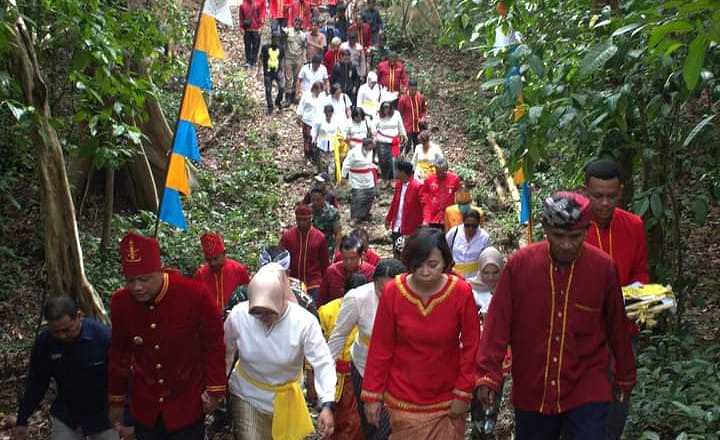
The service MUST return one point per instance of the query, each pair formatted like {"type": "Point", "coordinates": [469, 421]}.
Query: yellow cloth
{"type": "Point", "coordinates": [466, 268]}
{"type": "Point", "coordinates": [427, 167]}
{"type": "Point", "coordinates": [453, 216]}
{"type": "Point", "coordinates": [646, 291]}
{"type": "Point", "coordinates": [208, 39]}
{"type": "Point", "coordinates": [328, 315]}
{"type": "Point", "coordinates": [273, 58]}
{"type": "Point", "coordinates": [339, 147]}
{"type": "Point", "coordinates": [364, 340]}
{"type": "Point", "coordinates": [194, 108]}
{"type": "Point", "coordinates": [291, 418]}
{"type": "Point", "coordinates": [177, 177]}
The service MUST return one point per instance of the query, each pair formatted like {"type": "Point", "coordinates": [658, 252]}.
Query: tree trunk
{"type": "Point", "coordinates": [63, 254]}
{"type": "Point", "coordinates": [108, 211]}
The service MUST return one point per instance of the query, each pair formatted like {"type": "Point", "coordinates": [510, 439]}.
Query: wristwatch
{"type": "Point", "coordinates": [329, 405]}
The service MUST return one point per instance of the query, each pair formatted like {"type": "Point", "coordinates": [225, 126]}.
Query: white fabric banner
{"type": "Point", "coordinates": [220, 9]}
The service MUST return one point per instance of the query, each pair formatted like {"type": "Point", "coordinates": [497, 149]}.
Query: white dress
{"type": "Point", "coordinates": [277, 355]}
{"type": "Point", "coordinates": [424, 163]}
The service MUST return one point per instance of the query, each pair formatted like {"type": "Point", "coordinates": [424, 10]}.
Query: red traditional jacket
{"type": "Point", "coordinates": [308, 255]}
{"type": "Point", "coordinates": [422, 355]}
{"type": "Point", "coordinates": [170, 350]}
{"type": "Point", "coordinates": [412, 207]}
{"type": "Point", "coordinates": [262, 9]}
{"type": "Point", "coordinates": [331, 57]}
{"type": "Point", "coordinates": [278, 8]}
{"type": "Point", "coordinates": [394, 78]}
{"type": "Point", "coordinates": [371, 257]}
{"type": "Point", "coordinates": [562, 326]}
{"type": "Point", "coordinates": [413, 110]}
{"type": "Point", "coordinates": [250, 11]}
{"type": "Point", "coordinates": [438, 194]}
{"type": "Point", "coordinates": [364, 33]}
{"type": "Point", "coordinates": [222, 285]}
{"type": "Point", "coordinates": [302, 10]}
{"type": "Point", "coordinates": [333, 284]}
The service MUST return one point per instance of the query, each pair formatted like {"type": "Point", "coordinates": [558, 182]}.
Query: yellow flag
{"type": "Point", "coordinates": [177, 177]}
{"type": "Point", "coordinates": [208, 39]}
{"type": "Point", "coordinates": [194, 108]}
{"type": "Point", "coordinates": [519, 176]}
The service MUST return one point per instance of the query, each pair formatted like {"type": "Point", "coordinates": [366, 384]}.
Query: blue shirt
{"type": "Point", "coordinates": [79, 369]}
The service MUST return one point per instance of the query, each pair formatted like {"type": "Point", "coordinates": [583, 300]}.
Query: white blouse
{"type": "Point", "coordinates": [310, 107]}
{"type": "Point", "coordinates": [323, 131]}
{"type": "Point", "coordinates": [388, 128]}
{"type": "Point", "coordinates": [464, 251]}
{"type": "Point", "coordinates": [369, 99]}
{"type": "Point", "coordinates": [424, 163]}
{"type": "Point", "coordinates": [277, 355]}
{"type": "Point", "coordinates": [357, 159]}
{"type": "Point", "coordinates": [358, 308]}
{"type": "Point", "coordinates": [356, 132]}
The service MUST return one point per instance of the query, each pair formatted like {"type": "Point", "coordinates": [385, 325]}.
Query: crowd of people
{"type": "Point", "coordinates": [404, 346]}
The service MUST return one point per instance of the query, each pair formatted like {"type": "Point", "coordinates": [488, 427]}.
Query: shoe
{"type": "Point", "coordinates": [247, 65]}
{"type": "Point", "coordinates": [270, 111]}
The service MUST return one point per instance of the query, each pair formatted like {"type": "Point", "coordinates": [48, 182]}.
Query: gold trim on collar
{"type": "Point", "coordinates": [164, 289]}
{"type": "Point", "coordinates": [412, 298]}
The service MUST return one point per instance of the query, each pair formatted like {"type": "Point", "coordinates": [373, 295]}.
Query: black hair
{"type": "Point", "coordinates": [603, 169]}
{"type": "Point", "coordinates": [472, 213]}
{"type": "Point", "coordinates": [389, 268]}
{"type": "Point", "coordinates": [405, 167]}
{"type": "Point", "coordinates": [412, 83]}
{"type": "Point", "coordinates": [275, 251]}
{"type": "Point", "coordinates": [334, 88]}
{"type": "Point", "coordinates": [57, 307]}
{"type": "Point", "coordinates": [387, 105]}
{"type": "Point", "coordinates": [362, 235]}
{"type": "Point", "coordinates": [316, 59]}
{"type": "Point", "coordinates": [357, 279]}
{"type": "Point", "coordinates": [357, 112]}
{"type": "Point", "coordinates": [317, 189]}
{"type": "Point", "coordinates": [419, 245]}
{"type": "Point", "coordinates": [351, 243]}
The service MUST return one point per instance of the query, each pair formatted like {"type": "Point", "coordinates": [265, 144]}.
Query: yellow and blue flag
{"type": "Point", "coordinates": [193, 111]}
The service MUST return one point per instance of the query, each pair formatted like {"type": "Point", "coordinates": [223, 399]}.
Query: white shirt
{"type": "Point", "coordinates": [424, 162]}
{"type": "Point", "coordinates": [388, 128]}
{"type": "Point", "coordinates": [482, 298]}
{"type": "Point", "coordinates": [308, 76]}
{"type": "Point", "coordinates": [356, 132]}
{"type": "Point", "coordinates": [276, 356]}
{"type": "Point", "coordinates": [358, 308]}
{"type": "Point", "coordinates": [310, 107]}
{"type": "Point", "coordinates": [341, 108]}
{"type": "Point", "coordinates": [401, 208]}
{"type": "Point", "coordinates": [358, 159]}
{"type": "Point", "coordinates": [323, 131]}
{"type": "Point", "coordinates": [369, 99]}
{"type": "Point", "coordinates": [464, 251]}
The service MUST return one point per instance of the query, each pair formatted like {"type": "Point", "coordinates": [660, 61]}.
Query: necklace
{"type": "Point", "coordinates": [599, 239]}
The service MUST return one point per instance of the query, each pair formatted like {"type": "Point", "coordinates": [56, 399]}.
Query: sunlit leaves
{"type": "Point", "coordinates": [597, 57]}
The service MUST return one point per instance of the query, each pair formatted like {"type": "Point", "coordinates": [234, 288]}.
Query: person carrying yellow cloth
{"type": "Point", "coordinates": [271, 338]}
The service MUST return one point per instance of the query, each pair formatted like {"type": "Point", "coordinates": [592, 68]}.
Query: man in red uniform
{"type": "Point", "coordinates": [300, 9]}
{"type": "Point", "coordinates": [406, 210]}
{"type": "Point", "coordinates": [308, 250]}
{"type": "Point", "coordinates": [559, 305]}
{"type": "Point", "coordinates": [368, 255]}
{"type": "Point", "coordinates": [251, 23]}
{"type": "Point", "coordinates": [333, 284]}
{"type": "Point", "coordinates": [220, 275]}
{"type": "Point", "coordinates": [278, 10]}
{"type": "Point", "coordinates": [621, 235]}
{"type": "Point", "coordinates": [392, 74]}
{"type": "Point", "coordinates": [438, 193]}
{"type": "Point", "coordinates": [167, 344]}
{"type": "Point", "coordinates": [413, 109]}
{"type": "Point", "coordinates": [362, 29]}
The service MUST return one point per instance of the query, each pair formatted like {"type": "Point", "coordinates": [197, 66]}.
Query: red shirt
{"type": "Point", "coordinates": [308, 255]}
{"type": "Point", "coordinates": [278, 8]}
{"type": "Point", "coordinates": [412, 207]}
{"type": "Point", "coordinates": [422, 354]}
{"type": "Point", "coordinates": [364, 33]}
{"type": "Point", "coordinates": [333, 284]}
{"type": "Point", "coordinates": [395, 78]}
{"type": "Point", "coordinates": [262, 9]}
{"type": "Point", "coordinates": [331, 57]}
{"type": "Point", "coordinates": [561, 338]}
{"type": "Point", "coordinates": [371, 257]}
{"type": "Point", "coordinates": [171, 351]}
{"type": "Point", "coordinates": [249, 11]}
{"type": "Point", "coordinates": [302, 10]}
{"type": "Point", "coordinates": [222, 285]}
{"type": "Point", "coordinates": [413, 110]}
{"type": "Point", "coordinates": [626, 244]}
{"type": "Point", "coordinates": [438, 194]}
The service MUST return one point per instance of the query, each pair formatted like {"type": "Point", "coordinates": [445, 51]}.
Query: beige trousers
{"type": "Point", "coordinates": [248, 422]}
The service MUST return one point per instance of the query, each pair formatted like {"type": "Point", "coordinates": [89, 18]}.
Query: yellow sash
{"type": "Point", "coordinates": [466, 268]}
{"type": "Point", "coordinates": [364, 340]}
{"type": "Point", "coordinates": [291, 418]}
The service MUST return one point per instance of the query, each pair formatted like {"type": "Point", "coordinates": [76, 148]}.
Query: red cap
{"type": "Point", "coordinates": [140, 255]}
{"type": "Point", "coordinates": [212, 244]}
{"type": "Point", "coordinates": [303, 210]}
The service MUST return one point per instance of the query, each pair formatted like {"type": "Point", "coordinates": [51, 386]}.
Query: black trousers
{"type": "Point", "coordinates": [412, 141]}
{"type": "Point", "coordinates": [270, 77]}
{"type": "Point", "coordinates": [159, 432]}
{"type": "Point", "coordinates": [371, 433]}
{"type": "Point", "coordinates": [586, 422]}
{"type": "Point", "coordinates": [251, 39]}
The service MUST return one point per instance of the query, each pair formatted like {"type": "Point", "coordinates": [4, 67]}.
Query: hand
{"type": "Point", "coordinates": [458, 408]}
{"type": "Point", "coordinates": [486, 396]}
{"type": "Point", "coordinates": [115, 416]}
{"type": "Point", "coordinates": [372, 413]}
{"type": "Point", "coordinates": [210, 402]}
{"type": "Point", "coordinates": [620, 396]}
{"type": "Point", "coordinates": [326, 423]}
{"type": "Point", "coordinates": [126, 432]}
{"type": "Point", "coordinates": [20, 432]}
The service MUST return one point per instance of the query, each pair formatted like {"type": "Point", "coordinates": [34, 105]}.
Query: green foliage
{"type": "Point", "coordinates": [678, 385]}
{"type": "Point", "coordinates": [240, 202]}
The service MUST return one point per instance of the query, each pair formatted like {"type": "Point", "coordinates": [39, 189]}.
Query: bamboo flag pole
{"type": "Point", "coordinates": [177, 121]}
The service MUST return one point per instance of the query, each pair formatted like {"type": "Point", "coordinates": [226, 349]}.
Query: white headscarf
{"type": "Point", "coordinates": [489, 255]}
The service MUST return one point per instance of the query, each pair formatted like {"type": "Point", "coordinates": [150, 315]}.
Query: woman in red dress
{"type": "Point", "coordinates": [424, 341]}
